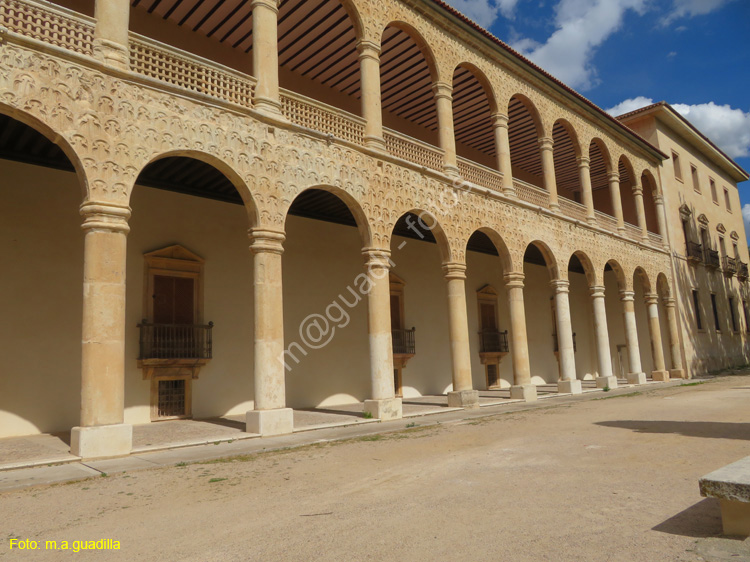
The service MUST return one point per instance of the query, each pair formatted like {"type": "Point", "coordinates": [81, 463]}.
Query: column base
{"type": "Point", "coordinates": [452, 171]}
{"type": "Point", "coordinates": [569, 387]}
{"type": "Point", "coordinates": [636, 378]}
{"type": "Point", "coordinates": [606, 382]}
{"type": "Point", "coordinates": [375, 143]}
{"type": "Point", "coordinates": [677, 374]}
{"type": "Point", "coordinates": [525, 392]}
{"type": "Point", "coordinates": [270, 107]}
{"type": "Point", "coordinates": [463, 399]}
{"type": "Point", "coordinates": [735, 518]}
{"type": "Point", "coordinates": [592, 221]}
{"type": "Point", "coordinates": [101, 441]}
{"type": "Point", "coordinates": [270, 422]}
{"type": "Point", "coordinates": [661, 376]}
{"type": "Point", "coordinates": [111, 53]}
{"type": "Point", "coordinates": [554, 207]}
{"type": "Point", "coordinates": [385, 409]}
{"type": "Point", "coordinates": [509, 191]}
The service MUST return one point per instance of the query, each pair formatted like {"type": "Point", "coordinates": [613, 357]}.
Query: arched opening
{"type": "Point", "coordinates": [524, 131]}
{"type": "Point", "coordinates": [473, 106]}
{"type": "Point", "coordinates": [189, 313]}
{"type": "Point", "coordinates": [487, 260]}
{"type": "Point", "coordinates": [325, 306]}
{"type": "Point", "coordinates": [627, 180]}
{"type": "Point", "coordinates": [406, 78]}
{"type": "Point", "coordinates": [614, 285]}
{"type": "Point", "coordinates": [565, 155]}
{"type": "Point", "coordinates": [599, 167]}
{"type": "Point", "coordinates": [580, 277]}
{"type": "Point", "coordinates": [418, 249]}
{"type": "Point", "coordinates": [42, 247]}
{"type": "Point", "coordinates": [539, 268]}
{"type": "Point", "coordinates": [641, 287]}
{"type": "Point", "coordinates": [663, 290]}
{"type": "Point", "coordinates": [649, 202]}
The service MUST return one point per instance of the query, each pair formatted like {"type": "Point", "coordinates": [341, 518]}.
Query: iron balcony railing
{"type": "Point", "coordinates": [176, 341]}
{"type": "Point", "coordinates": [742, 270]}
{"type": "Point", "coordinates": [404, 342]}
{"type": "Point", "coordinates": [695, 251]}
{"type": "Point", "coordinates": [557, 344]}
{"type": "Point", "coordinates": [730, 266]}
{"type": "Point", "coordinates": [711, 258]}
{"type": "Point", "coordinates": [493, 341]}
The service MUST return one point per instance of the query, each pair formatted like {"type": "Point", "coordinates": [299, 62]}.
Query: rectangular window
{"type": "Point", "coordinates": [726, 200]}
{"type": "Point", "coordinates": [714, 195]}
{"type": "Point", "coordinates": [722, 247]}
{"type": "Point", "coordinates": [696, 182]}
{"type": "Point", "coordinates": [747, 316]}
{"type": "Point", "coordinates": [677, 169]}
{"type": "Point", "coordinates": [716, 313]}
{"type": "Point", "coordinates": [697, 306]}
{"type": "Point", "coordinates": [732, 315]}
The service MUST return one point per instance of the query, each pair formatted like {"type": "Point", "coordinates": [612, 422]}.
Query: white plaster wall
{"type": "Point", "coordinates": [615, 325]}
{"type": "Point", "coordinates": [538, 305]}
{"type": "Point", "coordinates": [582, 317]}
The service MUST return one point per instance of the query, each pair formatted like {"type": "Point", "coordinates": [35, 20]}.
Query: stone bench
{"type": "Point", "coordinates": [731, 485]}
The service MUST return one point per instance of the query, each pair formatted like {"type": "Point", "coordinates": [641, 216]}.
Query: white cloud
{"type": "Point", "coordinates": [581, 26]}
{"type": "Point", "coordinates": [692, 8]}
{"type": "Point", "coordinates": [727, 127]}
{"type": "Point", "coordinates": [485, 12]}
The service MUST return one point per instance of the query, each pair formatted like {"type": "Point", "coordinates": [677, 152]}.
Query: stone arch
{"type": "Point", "coordinates": [549, 258]}
{"type": "Point", "coordinates": [481, 77]}
{"type": "Point", "coordinates": [566, 152]}
{"type": "Point", "coordinates": [628, 179]}
{"type": "Point", "coordinates": [529, 105]}
{"type": "Point", "coordinates": [506, 259]}
{"type": "Point", "coordinates": [425, 222]}
{"type": "Point", "coordinates": [600, 165]}
{"type": "Point", "coordinates": [525, 128]}
{"type": "Point", "coordinates": [54, 137]}
{"type": "Point", "coordinates": [474, 105]}
{"type": "Point", "coordinates": [227, 169]}
{"type": "Point", "coordinates": [622, 279]}
{"type": "Point", "coordinates": [650, 192]}
{"type": "Point", "coordinates": [662, 286]}
{"type": "Point", "coordinates": [355, 208]}
{"type": "Point", "coordinates": [416, 36]}
{"type": "Point", "coordinates": [640, 273]}
{"type": "Point", "coordinates": [588, 267]}
{"type": "Point", "coordinates": [354, 16]}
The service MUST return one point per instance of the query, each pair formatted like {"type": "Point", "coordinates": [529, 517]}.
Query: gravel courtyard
{"type": "Point", "coordinates": [613, 478]}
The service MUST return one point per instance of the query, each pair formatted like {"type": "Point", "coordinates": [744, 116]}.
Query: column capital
{"type": "Point", "coordinates": [597, 291]}
{"type": "Point", "coordinates": [443, 90]}
{"type": "Point", "coordinates": [546, 143]}
{"type": "Point", "coordinates": [500, 120]}
{"type": "Point", "coordinates": [658, 198]}
{"type": "Point", "coordinates": [669, 302]}
{"type": "Point", "coordinates": [626, 296]}
{"type": "Point", "coordinates": [266, 241]}
{"type": "Point", "coordinates": [377, 258]}
{"type": "Point", "coordinates": [560, 285]}
{"type": "Point", "coordinates": [369, 49]}
{"type": "Point", "coordinates": [613, 176]}
{"type": "Point", "coordinates": [454, 270]}
{"type": "Point", "coordinates": [514, 280]}
{"type": "Point", "coordinates": [651, 298]}
{"type": "Point", "coordinates": [584, 161]}
{"type": "Point", "coordinates": [270, 4]}
{"type": "Point", "coordinates": [637, 189]}
{"type": "Point", "coordinates": [105, 216]}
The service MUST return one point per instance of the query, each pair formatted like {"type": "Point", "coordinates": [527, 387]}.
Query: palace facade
{"type": "Point", "coordinates": [428, 214]}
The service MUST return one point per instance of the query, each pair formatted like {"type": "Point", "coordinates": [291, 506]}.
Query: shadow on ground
{"type": "Point", "coordinates": [701, 520]}
{"type": "Point", "coordinates": [712, 430]}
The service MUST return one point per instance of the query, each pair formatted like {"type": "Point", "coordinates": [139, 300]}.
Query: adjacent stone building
{"type": "Point", "coordinates": [428, 213]}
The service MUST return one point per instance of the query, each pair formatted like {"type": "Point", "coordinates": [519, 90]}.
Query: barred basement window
{"type": "Point", "coordinates": [697, 305]}
{"type": "Point", "coordinates": [715, 308]}
{"type": "Point", "coordinates": [172, 398]}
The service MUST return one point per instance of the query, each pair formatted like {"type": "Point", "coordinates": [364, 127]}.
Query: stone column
{"type": "Point", "coordinates": [661, 218]}
{"type": "Point", "coordinates": [546, 146]}
{"type": "Point", "coordinates": [584, 173]}
{"type": "Point", "coordinates": [502, 146]}
{"type": "Point", "coordinates": [660, 372]}
{"type": "Point", "coordinates": [266, 56]}
{"type": "Point", "coordinates": [111, 32]}
{"type": "Point", "coordinates": [605, 378]}
{"type": "Point", "coordinates": [614, 191]}
{"type": "Point", "coordinates": [383, 404]}
{"type": "Point", "coordinates": [463, 395]}
{"type": "Point", "coordinates": [678, 371]}
{"type": "Point", "coordinates": [635, 371]}
{"type": "Point", "coordinates": [522, 387]}
{"type": "Point", "coordinates": [372, 112]}
{"type": "Point", "coordinates": [102, 432]}
{"type": "Point", "coordinates": [640, 210]}
{"type": "Point", "coordinates": [270, 416]}
{"type": "Point", "coordinates": [565, 347]}
{"type": "Point", "coordinates": [444, 105]}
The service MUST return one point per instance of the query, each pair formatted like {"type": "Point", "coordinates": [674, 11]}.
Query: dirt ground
{"type": "Point", "coordinates": [606, 479]}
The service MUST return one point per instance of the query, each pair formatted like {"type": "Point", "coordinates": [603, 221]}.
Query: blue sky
{"type": "Point", "coordinates": [623, 54]}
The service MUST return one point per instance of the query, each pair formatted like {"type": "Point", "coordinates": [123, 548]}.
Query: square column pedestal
{"type": "Point", "coordinates": [384, 410]}
{"type": "Point", "coordinates": [661, 376]}
{"type": "Point", "coordinates": [569, 387]}
{"type": "Point", "coordinates": [270, 422]}
{"type": "Point", "coordinates": [525, 392]}
{"type": "Point", "coordinates": [463, 399]}
{"type": "Point", "coordinates": [101, 441]}
{"type": "Point", "coordinates": [677, 374]}
{"type": "Point", "coordinates": [607, 382]}
{"type": "Point", "coordinates": [636, 378]}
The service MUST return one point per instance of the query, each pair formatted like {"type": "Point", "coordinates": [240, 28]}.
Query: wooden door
{"type": "Point", "coordinates": [174, 300]}
{"type": "Point", "coordinates": [489, 318]}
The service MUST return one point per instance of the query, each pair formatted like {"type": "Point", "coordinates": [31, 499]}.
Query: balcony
{"type": "Point", "coordinates": [694, 252]}
{"type": "Point", "coordinates": [493, 341]}
{"type": "Point", "coordinates": [175, 342]}
{"type": "Point", "coordinates": [730, 266]}
{"type": "Point", "coordinates": [404, 342]}
{"type": "Point", "coordinates": [742, 271]}
{"type": "Point", "coordinates": [711, 258]}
